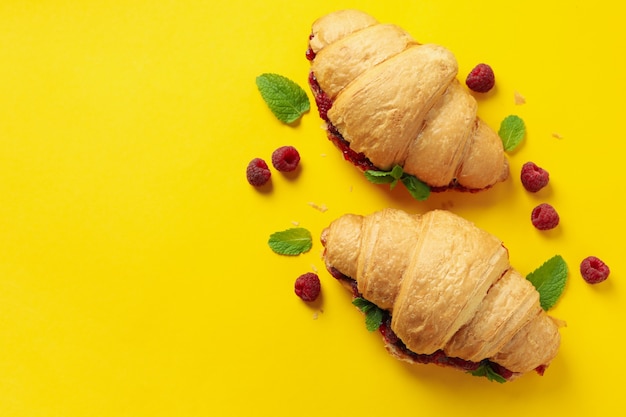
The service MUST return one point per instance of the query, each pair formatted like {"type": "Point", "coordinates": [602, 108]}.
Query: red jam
{"type": "Point", "coordinates": [310, 55]}
{"type": "Point", "coordinates": [356, 158]}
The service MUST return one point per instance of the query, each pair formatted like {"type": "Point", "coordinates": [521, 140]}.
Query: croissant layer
{"type": "Point", "coordinates": [398, 102]}
{"type": "Point", "coordinates": [447, 285]}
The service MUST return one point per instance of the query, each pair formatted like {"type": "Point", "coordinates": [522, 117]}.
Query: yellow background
{"type": "Point", "coordinates": [135, 277]}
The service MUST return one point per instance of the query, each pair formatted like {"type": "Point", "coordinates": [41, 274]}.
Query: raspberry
{"type": "Point", "coordinates": [534, 178]}
{"type": "Point", "coordinates": [257, 172]}
{"type": "Point", "coordinates": [544, 217]}
{"type": "Point", "coordinates": [285, 158]}
{"type": "Point", "coordinates": [308, 286]}
{"type": "Point", "coordinates": [324, 103]}
{"type": "Point", "coordinates": [594, 270]}
{"type": "Point", "coordinates": [481, 79]}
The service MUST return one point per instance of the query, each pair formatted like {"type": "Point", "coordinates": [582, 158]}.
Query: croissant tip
{"type": "Point", "coordinates": [324, 236]}
{"type": "Point", "coordinates": [506, 171]}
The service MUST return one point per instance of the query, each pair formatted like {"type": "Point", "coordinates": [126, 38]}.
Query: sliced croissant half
{"type": "Point", "coordinates": [388, 100]}
{"type": "Point", "coordinates": [446, 287]}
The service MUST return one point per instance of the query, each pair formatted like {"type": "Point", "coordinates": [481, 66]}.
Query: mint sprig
{"type": "Point", "coordinates": [487, 371]}
{"type": "Point", "coordinates": [549, 280]}
{"type": "Point", "coordinates": [291, 242]}
{"type": "Point", "coordinates": [286, 99]}
{"type": "Point", "coordinates": [373, 314]}
{"type": "Point", "coordinates": [512, 132]}
{"type": "Point", "coordinates": [385, 177]}
{"type": "Point", "coordinates": [417, 189]}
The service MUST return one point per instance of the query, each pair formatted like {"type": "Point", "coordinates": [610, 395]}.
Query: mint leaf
{"type": "Point", "coordinates": [373, 314]}
{"type": "Point", "coordinates": [512, 131]}
{"type": "Point", "coordinates": [487, 371]}
{"type": "Point", "coordinates": [418, 189]}
{"type": "Point", "coordinates": [549, 280]}
{"type": "Point", "coordinates": [291, 242]}
{"type": "Point", "coordinates": [286, 99]}
{"type": "Point", "coordinates": [379, 177]}
{"type": "Point", "coordinates": [396, 173]}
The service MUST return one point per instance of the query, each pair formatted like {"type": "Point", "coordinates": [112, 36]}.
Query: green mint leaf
{"type": "Point", "coordinates": [419, 190]}
{"type": "Point", "coordinates": [512, 131]}
{"type": "Point", "coordinates": [286, 99]}
{"type": "Point", "coordinates": [373, 314]}
{"type": "Point", "coordinates": [378, 177]}
{"type": "Point", "coordinates": [397, 172]}
{"type": "Point", "coordinates": [549, 280]}
{"type": "Point", "coordinates": [291, 242]}
{"type": "Point", "coordinates": [487, 371]}
{"type": "Point", "coordinates": [385, 177]}
{"type": "Point", "coordinates": [374, 319]}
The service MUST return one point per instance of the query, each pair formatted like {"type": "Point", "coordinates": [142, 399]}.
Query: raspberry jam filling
{"type": "Point", "coordinates": [437, 358]}
{"type": "Point", "coordinates": [324, 103]}
{"type": "Point", "coordinates": [310, 55]}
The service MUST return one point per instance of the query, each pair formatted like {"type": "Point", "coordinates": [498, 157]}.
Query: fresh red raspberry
{"type": "Point", "coordinates": [258, 172]}
{"type": "Point", "coordinates": [324, 103]}
{"type": "Point", "coordinates": [308, 286]}
{"type": "Point", "coordinates": [594, 270]}
{"type": "Point", "coordinates": [481, 79]}
{"type": "Point", "coordinates": [544, 217]}
{"type": "Point", "coordinates": [533, 177]}
{"type": "Point", "coordinates": [285, 158]}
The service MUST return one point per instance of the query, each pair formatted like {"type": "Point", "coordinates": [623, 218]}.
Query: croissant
{"type": "Point", "coordinates": [388, 100]}
{"type": "Point", "coordinates": [447, 290]}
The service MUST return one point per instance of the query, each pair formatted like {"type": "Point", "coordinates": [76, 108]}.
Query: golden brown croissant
{"type": "Point", "coordinates": [388, 100]}
{"type": "Point", "coordinates": [448, 292]}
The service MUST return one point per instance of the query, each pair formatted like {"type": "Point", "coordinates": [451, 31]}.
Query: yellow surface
{"type": "Point", "coordinates": [135, 278]}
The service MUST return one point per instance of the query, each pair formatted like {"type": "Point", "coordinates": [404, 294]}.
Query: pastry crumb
{"type": "Point", "coordinates": [556, 135]}
{"type": "Point", "coordinates": [295, 223]}
{"type": "Point", "coordinates": [519, 99]}
{"type": "Point", "coordinates": [315, 316]}
{"type": "Point", "coordinates": [321, 207]}
{"type": "Point", "coordinates": [314, 268]}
